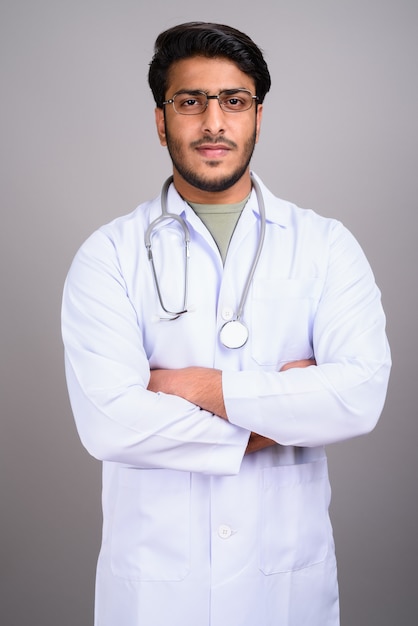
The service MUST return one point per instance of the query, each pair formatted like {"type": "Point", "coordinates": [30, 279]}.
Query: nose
{"type": "Point", "coordinates": [213, 118]}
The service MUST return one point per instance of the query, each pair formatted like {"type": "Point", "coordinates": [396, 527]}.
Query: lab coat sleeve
{"type": "Point", "coordinates": [107, 371]}
{"type": "Point", "coordinates": [343, 395]}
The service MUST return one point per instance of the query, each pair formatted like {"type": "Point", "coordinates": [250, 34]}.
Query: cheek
{"type": "Point", "coordinates": [180, 137]}
{"type": "Point", "coordinates": [174, 130]}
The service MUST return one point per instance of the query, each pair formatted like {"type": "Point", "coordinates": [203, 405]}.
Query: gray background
{"type": "Point", "coordinates": [79, 147]}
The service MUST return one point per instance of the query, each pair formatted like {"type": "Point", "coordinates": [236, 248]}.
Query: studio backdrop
{"type": "Point", "coordinates": [79, 147]}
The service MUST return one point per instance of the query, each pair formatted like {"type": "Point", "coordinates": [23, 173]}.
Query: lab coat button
{"type": "Point", "coordinates": [224, 531]}
{"type": "Point", "coordinates": [227, 313]}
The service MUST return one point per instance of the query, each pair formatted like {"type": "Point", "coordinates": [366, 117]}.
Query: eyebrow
{"type": "Point", "coordinates": [195, 92]}
{"type": "Point", "coordinates": [192, 92]}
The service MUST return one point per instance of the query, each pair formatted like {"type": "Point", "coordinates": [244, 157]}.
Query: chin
{"type": "Point", "coordinates": [217, 182]}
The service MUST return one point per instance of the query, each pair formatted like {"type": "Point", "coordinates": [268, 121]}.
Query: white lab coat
{"type": "Point", "coordinates": [195, 533]}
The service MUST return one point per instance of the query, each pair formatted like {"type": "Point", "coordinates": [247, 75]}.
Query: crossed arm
{"type": "Point", "coordinates": [203, 386]}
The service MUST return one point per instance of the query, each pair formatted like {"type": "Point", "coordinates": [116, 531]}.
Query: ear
{"type": "Point", "coordinates": [258, 121]}
{"type": "Point", "coordinates": [160, 123]}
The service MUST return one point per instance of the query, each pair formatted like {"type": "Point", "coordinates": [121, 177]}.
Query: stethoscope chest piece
{"type": "Point", "coordinates": [234, 334]}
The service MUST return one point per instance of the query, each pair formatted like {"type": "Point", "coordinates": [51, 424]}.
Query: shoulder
{"type": "Point", "coordinates": [122, 229]}
{"type": "Point", "coordinates": [290, 215]}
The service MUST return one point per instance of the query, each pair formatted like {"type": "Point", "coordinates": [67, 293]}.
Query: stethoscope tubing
{"type": "Point", "coordinates": [165, 216]}
{"type": "Point", "coordinates": [257, 255]}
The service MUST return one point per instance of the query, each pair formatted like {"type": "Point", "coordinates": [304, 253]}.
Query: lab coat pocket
{"type": "Point", "coordinates": [151, 526]}
{"type": "Point", "coordinates": [282, 315]}
{"type": "Point", "coordinates": [295, 527]}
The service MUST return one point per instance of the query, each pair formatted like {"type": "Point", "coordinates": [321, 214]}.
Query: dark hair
{"type": "Point", "coordinates": [208, 40]}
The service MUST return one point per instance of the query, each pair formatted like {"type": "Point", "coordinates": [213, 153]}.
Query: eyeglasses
{"type": "Point", "coordinates": [196, 102]}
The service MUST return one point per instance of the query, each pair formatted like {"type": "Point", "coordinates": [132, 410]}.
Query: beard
{"type": "Point", "coordinates": [206, 183]}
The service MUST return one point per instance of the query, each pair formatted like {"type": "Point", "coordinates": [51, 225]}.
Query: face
{"type": "Point", "coordinates": [211, 151]}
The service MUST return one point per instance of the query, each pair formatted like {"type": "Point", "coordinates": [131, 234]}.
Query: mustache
{"type": "Point", "coordinates": [204, 141]}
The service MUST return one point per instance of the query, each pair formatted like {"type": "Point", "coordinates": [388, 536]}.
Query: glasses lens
{"type": "Point", "coordinates": [235, 101]}
{"type": "Point", "coordinates": [230, 101]}
{"type": "Point", "coordinates": [190, 103]}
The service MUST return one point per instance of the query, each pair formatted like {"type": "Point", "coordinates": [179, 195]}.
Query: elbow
{"type": "Point", "coordinates": [97, 446]}
{"type": "Point", "coordinates": [362, 401]}
{"type": "Point", "coordinates": [364, 408]}
{"type": "Point", "coordinates": [105, 440]}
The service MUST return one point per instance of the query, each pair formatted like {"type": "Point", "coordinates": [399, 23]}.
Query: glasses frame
{"type": "Point", "coordinates": [197, 92]}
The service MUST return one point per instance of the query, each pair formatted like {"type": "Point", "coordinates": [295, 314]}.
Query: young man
{"type": "Point", "coordinates": [216, 339]}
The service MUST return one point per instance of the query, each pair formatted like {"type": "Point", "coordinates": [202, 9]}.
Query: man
{"type": "Point", "coordinates": [216, 339]}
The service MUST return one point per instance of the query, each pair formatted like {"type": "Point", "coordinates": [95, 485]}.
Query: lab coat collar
{"type": "Point", "coordinates": [277, 210]}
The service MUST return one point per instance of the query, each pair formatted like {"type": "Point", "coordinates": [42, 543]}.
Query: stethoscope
{"type": "Point", "coordinates": [234, 333]}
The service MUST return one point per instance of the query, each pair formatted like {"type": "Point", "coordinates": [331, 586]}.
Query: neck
{"type": "Point", "coordinates": [234, 194]}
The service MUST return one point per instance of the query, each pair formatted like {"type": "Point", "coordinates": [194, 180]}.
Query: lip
{"type": "Point", "coordinates": [213, 151]}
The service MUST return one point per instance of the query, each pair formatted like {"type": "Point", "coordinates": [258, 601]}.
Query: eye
{"type": "Point", "coordinates": [236, 101]}
{"type": "Point", "coordinates": [189, 101]}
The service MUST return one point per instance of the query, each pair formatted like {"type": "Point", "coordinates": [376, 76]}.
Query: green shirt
{"type": "Point", "coordinates": [220, 220]}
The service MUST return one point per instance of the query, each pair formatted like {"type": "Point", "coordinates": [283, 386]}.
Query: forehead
{"type": "Point", "coordinates": [207, 74]}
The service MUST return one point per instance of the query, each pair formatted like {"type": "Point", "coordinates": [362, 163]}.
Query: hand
{"type": "Point", "coordinates": [258, 442]}
{"type": "Point", "coordinates": [301, 363]}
